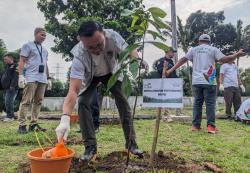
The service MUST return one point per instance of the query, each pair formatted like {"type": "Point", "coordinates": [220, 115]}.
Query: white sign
{"type": "Point", "coordinates": [165, 93]}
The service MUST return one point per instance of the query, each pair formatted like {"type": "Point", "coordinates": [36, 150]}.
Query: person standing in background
{"type": "Point", "coordinates": [204, 56]}
{"type": "Point", "coordinates": [9, 83]}
{"type": "Point", "coordinates": [34, 58]}
{"type": "Point", "coordinates": [232, 86]}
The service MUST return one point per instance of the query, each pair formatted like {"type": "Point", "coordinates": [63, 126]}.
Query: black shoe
{"type": "Point", "coordinates": [135, 151]}
{"type": "Point", "coordinates": [22, 129]}
{"type": "Point", "coordinates": [36, 127]}
{"type": "Point", "coordinates": [89, 154]}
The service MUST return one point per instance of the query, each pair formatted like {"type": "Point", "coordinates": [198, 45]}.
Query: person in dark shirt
{"type": "Point", "coordinates": [9, 83]}
{"type": "Point", "coordinates": [159, 64]}
{"type": "Point", "coordinates": [166, 63]}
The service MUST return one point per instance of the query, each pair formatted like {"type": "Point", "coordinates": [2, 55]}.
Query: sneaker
{"type": "Point", "coordinates": [8, 119]}
{"type": "Point", "coordinates": [135, 151]}
{"type": "Point", "coordinates": [211, 129]}
{"type": "Point", "coordinates": [89, 153]}
{"type": "Point", "coordinates": [36, 127]}
{"type": "Point", "coordinates": [195, 128]}
{"type": "Point", "coordinates": [22, 129]}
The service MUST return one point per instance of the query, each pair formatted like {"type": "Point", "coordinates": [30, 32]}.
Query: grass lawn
{"type": "Point", "coordinates": [228, 149]}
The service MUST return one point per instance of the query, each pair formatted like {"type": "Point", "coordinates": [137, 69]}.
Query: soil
{"type": "Point", "coordinates": [115, 162]}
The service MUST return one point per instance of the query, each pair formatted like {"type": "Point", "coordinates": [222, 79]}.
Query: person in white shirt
{"type": "Point", "coordinates": [33, 58]}
{"type": "Point", "coordinates": [203, 58]}
{"type": "Point", "coordinates": [231, 84]}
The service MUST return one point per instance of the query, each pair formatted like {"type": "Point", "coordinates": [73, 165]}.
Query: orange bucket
{"type": "Point", "coordinates": [55, 165]}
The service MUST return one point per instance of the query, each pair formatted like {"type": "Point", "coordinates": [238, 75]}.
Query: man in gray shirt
{"type": "Point", "coordinates": [95, 61]}
{"type": "Point", "coordinates": [33, 58]}
{"type": "Point", "coordinates": [204, 57]}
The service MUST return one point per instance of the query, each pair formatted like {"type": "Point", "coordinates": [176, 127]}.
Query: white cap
{"type": "Point", "coordinates": [205, 37]}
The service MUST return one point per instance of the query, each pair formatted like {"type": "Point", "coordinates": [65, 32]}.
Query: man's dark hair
{"type": "Point", "coordinates": [87, 29]}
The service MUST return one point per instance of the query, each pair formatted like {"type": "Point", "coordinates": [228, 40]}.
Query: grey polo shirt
{"type": "Point", "coordinates": [33, 60]}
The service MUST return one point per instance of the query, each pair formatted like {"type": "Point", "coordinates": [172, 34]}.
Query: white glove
{"type": "Point", "coordinates": [21, 81]}
{"type": "Point", "coordinates": [221, 88]}
{"type": "Point", "coordinates": [49, 84]}
{"type": "Point", "coordinates": [63, 128]}
{"type": "Point", "coordinates": [243, 89]}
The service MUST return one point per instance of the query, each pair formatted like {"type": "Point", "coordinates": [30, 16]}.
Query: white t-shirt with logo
{"type": "Point", "coordinates": [203, 58]}
{"type": "Point", "coordinates": [230, 75]}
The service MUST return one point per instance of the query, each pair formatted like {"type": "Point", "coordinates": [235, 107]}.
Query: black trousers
{"type": "Point", "coordinates": [232, 96]}
{"type": "Point", "coordinates": [85, 111]}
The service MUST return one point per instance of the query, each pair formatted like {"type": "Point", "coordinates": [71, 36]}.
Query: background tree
{"type": "Point", "coordinates": [62, 21]}
{"type": "Point", "coordinates": [246, 38]}
{"type": "Point", "coordinates": [223, 35]}
{"type": "Point", "coordinates": [183, 35]}
{"type": "Point", "coordinates": [59, 89]}
{"type": "Point", "coordinates": [245, 78]}
{"type": "Point", "coordinates": [202, 22]}
{"type": "Point", "coordinates": [239, 41]}
{"type": "Point", "coordinates": [3, 50]}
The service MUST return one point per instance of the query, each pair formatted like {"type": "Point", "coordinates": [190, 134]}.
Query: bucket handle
{"type": "Point", "coordinates": [38, 140]}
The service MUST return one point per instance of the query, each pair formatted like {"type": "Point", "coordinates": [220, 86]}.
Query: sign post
{"type": "Point", "coordinates": [161, 93]}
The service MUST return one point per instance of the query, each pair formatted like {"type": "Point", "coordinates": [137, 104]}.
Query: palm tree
{"type": "Point", "coordinates": [239, 41]}
{"type": "Point", "coordinates": [183, 34]}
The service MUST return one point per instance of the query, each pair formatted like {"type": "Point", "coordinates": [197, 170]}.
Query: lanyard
{"type": "Point", "coordinates": [40, 52]}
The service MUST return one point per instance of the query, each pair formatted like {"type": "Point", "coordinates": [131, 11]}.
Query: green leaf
{"type": "Point", "coordinates": [144, 25]}
{"type": "Point", "coordinates": [155, 25]}
{"type": "Point", "coordinates": [159, 45]}
{"type": "Point", "coordinates": [133, 67]}
{"type": "Point", "coordinates": [157, 12]}
{"type": "Point", "coordinates": [126, 85]}
{"type": "Point", "coordinates": [113, 79]}
{"type": "Point", "coordinates": [137, 28]}
{"type": "Point", "coordinates": [125, 53]}
{"type": "Point", "coordinates": [160, 23]}
{"type": "Point", "coordinates": [127, 12]}
{"type": "Point", "coordinates": [135, 19]}
{"type": "Point", "coordinates": [156, 35]}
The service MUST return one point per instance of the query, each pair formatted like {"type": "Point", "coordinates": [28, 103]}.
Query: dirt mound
{"type": "Point", "coordinates": [115, 162]}
{"type": "Point", "coordinates": [110, 121]}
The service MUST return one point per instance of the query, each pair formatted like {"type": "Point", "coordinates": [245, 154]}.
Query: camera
{"type": "Point", "coordinates": [41, 69]}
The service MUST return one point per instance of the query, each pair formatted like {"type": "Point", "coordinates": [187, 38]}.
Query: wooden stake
{"type": "Point", "coordinates": [157, 121]}
{"type": "Point", "coordinates": [156, 130]}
